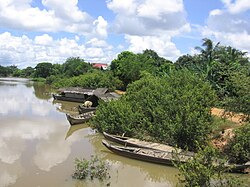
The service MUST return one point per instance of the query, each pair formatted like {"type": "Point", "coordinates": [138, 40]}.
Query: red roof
{"type": "Point", "coordinates": [100, 65]}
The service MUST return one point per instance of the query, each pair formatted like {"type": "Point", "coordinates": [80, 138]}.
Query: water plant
{"type": "Point", "coordinates": [91, 169]}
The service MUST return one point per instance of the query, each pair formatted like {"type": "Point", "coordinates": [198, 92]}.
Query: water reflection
{"type": "Point", "coordinates": [21, 101]}
{"type": "Point", "coordinates": [124, 169]}
{"type": "Point", "coordinates": [38, 146]}
{"type": "Point", "coordinates": [74, 128]}
{"type": "Point", "coordinates": [42, 91]}
{"type": "Point", "coordinates": [66, 107]}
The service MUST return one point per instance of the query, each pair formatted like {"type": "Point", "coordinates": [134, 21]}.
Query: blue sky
{"type": "Point", "coordinates": [33, 31]}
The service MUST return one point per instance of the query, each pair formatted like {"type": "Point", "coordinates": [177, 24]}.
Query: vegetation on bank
{"type": "Point", "coordinates": [207, 168]}
{"type": "Point", "coordinates": [238, 148]}
{"type": "Point", "coordinates": [175, 109]}
{"type": "Point", "coordinates": [165, 101]}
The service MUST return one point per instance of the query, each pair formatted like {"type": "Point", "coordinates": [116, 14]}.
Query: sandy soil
{"type": "Point", "coordinates": [237, 118]}
{"type": "Point", "coordinates": [225, 136]}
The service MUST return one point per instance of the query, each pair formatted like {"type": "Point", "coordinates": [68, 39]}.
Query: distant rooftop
{"type": "Point", "coordinates": [100, 65]}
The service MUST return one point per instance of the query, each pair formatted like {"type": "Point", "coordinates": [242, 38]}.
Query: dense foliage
{"type": "Point", "coordinates": [238, 99]}
{"type": "Point", "coordinates": [7, 71]}
{"type": "Point", "coordinates": [216, 63]}
{"type": "Point", "coordinates": [202, 171]}
{"type": "Point", "coordinates": [94, 79]}
{"type": "Point", "coordinates": [128, 66]}
{"type": "Point", "coordinates": [238, 148]}
{"type": "Point", "coordinates": [173, 109]}
{"type": "Point", "coordinates": [43, 69]}
{"type": "Point", "coordinates": [75, 67]}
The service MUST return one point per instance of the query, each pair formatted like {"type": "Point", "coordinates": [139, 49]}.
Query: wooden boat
{"type": "Point", "coordinates": [79, 118]}
{"type": "Point", "coordinates": [164, 157]}
{"type": "Point", "coordinates": [82, 109]}
{"type": "Point", "coordinates": [126, 141]}
{"type": "Point", "coordinates": [147, 154]}
{"type": "Point", "coordinates": [73, 94]}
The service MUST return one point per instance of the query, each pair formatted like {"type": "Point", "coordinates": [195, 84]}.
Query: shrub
{"type": "Point", "coordinates": [95, 168]}
{"type": "Point", "coordinates": [238, 149]}
{"type": "Point", "coordinates": [202, 171]}
{"type": "Point", "coordinates": [174, 109]}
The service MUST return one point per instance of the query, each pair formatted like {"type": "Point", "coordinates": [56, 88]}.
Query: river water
{"type": "Point", "coordinates": [38, 146]}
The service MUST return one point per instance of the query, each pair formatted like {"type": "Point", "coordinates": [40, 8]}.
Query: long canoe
{"type": "Point", "coordinates": [164, 157]}
{"type": "Point", "coordinates": [147, 154]}
{"type": "Point", "coordinates": [127, 141]}
{"type": "Point", "coordinates": [80, 118]}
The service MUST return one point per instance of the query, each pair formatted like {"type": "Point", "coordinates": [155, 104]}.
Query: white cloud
{"type": "Point", "coordinates": [148, 17]}
{"type": "Point", "coordinates": [43, 40]}
{"type": "Point", "coordinates": [101, 26]}
{"type": "Point", "coordinates": [237, 6]}
{"type": "Point", "coordinates": [150, 24]}
{"type": "Point", "coordinates": [155, 9]}
{"type": "Point", "coordinates": [54, 16]}
{"type": "Point", "coordinates": [162, 45]}
{"type": "Point", "coordinates": [122, 7]}
{"type": "Point", "coordinates": [239, 40]}
{"type": "Point", "coordinates": [231, 25]}
{"type": "Point", "coordinates": [24, 51]}
{"type": "Point", "coordinates": [7, 179]}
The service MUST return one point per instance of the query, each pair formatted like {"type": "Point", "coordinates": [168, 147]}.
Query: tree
{"type": "Point", "coordinates": [8, 70]}
{"type": "Point", "coordinates": [43, 69]}
{"type": "Point", "coordinates": [173, 109]}
{"type": "Point", "coordinates": [128, 66]}
{"type": "Point", "coordinates": [238, 99]}
{"type": "Point", "coordinates": [209, 50]}
{"type": "Point", "coordinates": [27, 72]}
{"type": "Point", "coordinates": [75, 66]}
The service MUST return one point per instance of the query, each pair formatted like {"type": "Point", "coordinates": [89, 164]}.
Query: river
{"type": "Point", "coordinates": [38, 146]}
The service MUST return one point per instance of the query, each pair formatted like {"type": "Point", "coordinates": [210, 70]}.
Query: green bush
{"type": "Point", "coordinates": [238, 149]}
{"type": "Point", "coordinates": [202, 171]}
{"type": "Point", "coordinates": [174, 109]}
{"type": "Point", "coordinates": [93, 79]}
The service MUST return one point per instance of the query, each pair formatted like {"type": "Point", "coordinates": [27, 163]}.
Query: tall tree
{"type": "Point", "coordinates": [75, 66]}
{"type": "Point", "coordinates": [43, 69]}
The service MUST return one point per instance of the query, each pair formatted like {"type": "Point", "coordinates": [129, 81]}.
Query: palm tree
{"type": "Point", "coordinates": [209, 50]}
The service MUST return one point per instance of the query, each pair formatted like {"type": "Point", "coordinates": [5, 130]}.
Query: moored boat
{"type": "Point", "coordinates": [80, 118]}
{"type": "Point", "coordinates": [127, 141]}
{"type": "Point", "coordinates": [73, 94]}
{"type": "Point", "coordinates": [147, 154]}
{"type": "Point", "coordinates": [164, 157]}
{"type": "Point", "coordinates": [83, 109]}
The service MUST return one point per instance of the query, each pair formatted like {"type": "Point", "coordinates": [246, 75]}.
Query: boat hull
{"type": "Point", "coordinates": [81, 118]}
{"type": "Point", "coordinates": [83, 109]}
{"type": "Point", "coordinates": [125, 151]}
{"type": "Point", "coordinates": [126, 141]}
{"type": "Point", "coordinates": [71, 99]}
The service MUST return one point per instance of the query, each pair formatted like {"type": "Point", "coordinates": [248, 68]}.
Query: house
{"type": "Point", "coordinates": [100, 66]}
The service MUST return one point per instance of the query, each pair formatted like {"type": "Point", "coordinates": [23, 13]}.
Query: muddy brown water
{"type": "Point", "coordinates": [38, 146]}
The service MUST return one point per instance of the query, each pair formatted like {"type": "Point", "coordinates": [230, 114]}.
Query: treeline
{"type": "Point", "coordinates": [168, 101]}
{"type": "Point", "coordinates": [226, 69]}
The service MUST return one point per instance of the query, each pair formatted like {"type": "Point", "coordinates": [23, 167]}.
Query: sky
{"type": "Point", "coordinates": [34, 31]}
